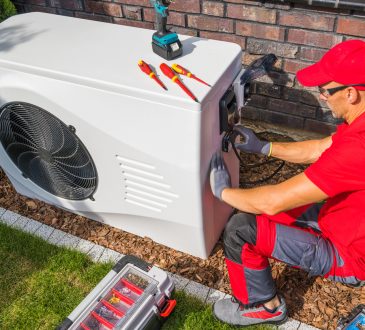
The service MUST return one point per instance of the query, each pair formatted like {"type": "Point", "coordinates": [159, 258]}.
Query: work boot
{"type": "Point", "coordinates": [231, 311]}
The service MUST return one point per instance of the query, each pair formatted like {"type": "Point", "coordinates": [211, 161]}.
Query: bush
{"type": "Point", "coordinates": [7, 9]}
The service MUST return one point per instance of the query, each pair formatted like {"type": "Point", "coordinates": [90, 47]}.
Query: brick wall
{"type": "Point", "coordinates": [296, 32]}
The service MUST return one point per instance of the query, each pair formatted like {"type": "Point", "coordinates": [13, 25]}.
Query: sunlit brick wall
{"type": "Point", "coordinates": [297, 32]}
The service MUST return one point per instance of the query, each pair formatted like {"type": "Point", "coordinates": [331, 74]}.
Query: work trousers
{"type": "Point", "coordinates": [292, 237]}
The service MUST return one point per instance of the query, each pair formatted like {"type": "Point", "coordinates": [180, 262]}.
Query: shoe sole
{"type": "Point", "coordinates": [249, 325]}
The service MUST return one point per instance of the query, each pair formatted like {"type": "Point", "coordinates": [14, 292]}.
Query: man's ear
{"type": "Point", "coordinates": [352, 95]}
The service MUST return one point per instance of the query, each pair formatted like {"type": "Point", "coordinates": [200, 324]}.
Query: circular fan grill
{"type": "Point", "coordinates": [47, 151]}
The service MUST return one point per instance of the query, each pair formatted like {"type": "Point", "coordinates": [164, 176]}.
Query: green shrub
{"type": "Point", "coordinates": [7, 9]}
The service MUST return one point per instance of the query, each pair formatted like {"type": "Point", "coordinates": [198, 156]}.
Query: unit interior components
{"type": "Point", "coordinates": [46, 151]}
{"type": "Point", "coordinates": [146, 150]}
{"type": "Point", "coordinates": [354, 321]}
{"type": "Point", "coordinates": [236, 97]}
{"type": "Point", "coordinates": [129, 297]}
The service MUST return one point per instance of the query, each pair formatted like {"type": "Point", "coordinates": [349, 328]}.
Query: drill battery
{"type": "Point", "coordinates": [132, 296]}
{"type": "Point", "coordinates": [354, 321]}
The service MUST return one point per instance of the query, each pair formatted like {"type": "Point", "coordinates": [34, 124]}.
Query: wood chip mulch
{"type": "Point", "coordinates": [315, 301]}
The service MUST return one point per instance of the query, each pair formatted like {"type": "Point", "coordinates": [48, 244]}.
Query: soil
{"type": "Point", "coordinates": [315, 301]}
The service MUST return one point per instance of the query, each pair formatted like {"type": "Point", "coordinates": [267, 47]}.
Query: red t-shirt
{"type": "Point", "coordinates": [340, 173]}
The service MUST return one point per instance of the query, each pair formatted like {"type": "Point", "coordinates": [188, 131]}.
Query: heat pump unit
{"type": "Point", "coordinates": [84, 129]}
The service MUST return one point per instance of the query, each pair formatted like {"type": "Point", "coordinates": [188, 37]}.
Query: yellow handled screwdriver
{"type": "Point", "coordinates": [179, 69]}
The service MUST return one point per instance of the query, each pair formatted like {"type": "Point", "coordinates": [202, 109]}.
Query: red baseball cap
{"type": "Point", "coordinates": [344, 64]}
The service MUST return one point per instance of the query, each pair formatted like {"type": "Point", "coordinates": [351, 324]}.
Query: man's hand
{"type": "Point", "coordinates": [219, 176]}
{"type": "Point", "coordinates": [251, 142]}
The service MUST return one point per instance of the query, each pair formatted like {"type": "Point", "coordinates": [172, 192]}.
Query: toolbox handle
{"type": "Point", "coordinates": [129, 259]}
{"type": "Point", "coordinates": [168, 308]}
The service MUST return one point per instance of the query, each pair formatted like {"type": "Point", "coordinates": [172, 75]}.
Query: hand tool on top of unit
{"type": "Point", "coordinates": [168, 72]}
{"type": "Point", "coordinates": [180, 70]}
{"type": "Point", "coordinates": [165, 43]}
{"type": "Point", "coordinates": [147, 69]}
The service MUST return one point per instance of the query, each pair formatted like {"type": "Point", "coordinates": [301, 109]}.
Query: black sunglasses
{"type": "Point", "coordinates": [330, 91]}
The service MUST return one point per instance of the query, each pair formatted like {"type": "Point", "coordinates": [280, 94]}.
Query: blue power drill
{"type": "Point", "coordinates": [164, 42]}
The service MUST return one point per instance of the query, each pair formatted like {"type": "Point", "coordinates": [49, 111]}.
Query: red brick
{"type": "Point", "coordinates": [224, 37]}
{"type": "Point", "coordinates": [145, 3]}
{"type": "Point", "coordinates": [93, 17]}
{"type": "Point", "coordinates": [311, 54]}
{"type": "Point", "coordinates": [138, 24]}
{"type": "Point", "coordinates": [293, 66]}
{"type": "Point", "coordinates": [98, 7]}
{"type": "Point", "coordinates": [352, 26]}
{"type": "Point", "coordinates": [260, 31]}
{"type": "Point", "coordinates": [176, 18]}
{"type": "Point", "coordinates": [67, 4]}
{"type": "Point", "coordinates": [300, 19]}
{"type": "Point", "coordinates": [149, 14]}
{"type": "Point", "coordinates": [248, 2]}
{"type": "Point", "coordinates": [30, 8]}
{"type": "Point", "coordinates": [210, 23]}
{"type": "Point", "coordinates": [263, 47]}
{"type": "Point", "coordinates": [132, 12]}
{"type": "Point", "coordinates": [251, 13]}
{"type": "Point", "coordinates": [187, 32]}
{"type": "Point", "coordinates": [186, 6]}
{"type": "Point", "coordinates": [311, 38]}
{"type": "Point", "coordinates": [213, 8]}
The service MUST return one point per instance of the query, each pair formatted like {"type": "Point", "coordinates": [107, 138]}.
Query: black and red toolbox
{"type": "Point", "coordinates": [133, 295]}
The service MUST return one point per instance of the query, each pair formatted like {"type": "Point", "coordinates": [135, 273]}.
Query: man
{"type": "Point", "coordinates": [288, 221]}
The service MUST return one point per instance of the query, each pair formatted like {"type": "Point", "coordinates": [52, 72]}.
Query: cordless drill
{"type": "Point", "coordinates": [164, 42]}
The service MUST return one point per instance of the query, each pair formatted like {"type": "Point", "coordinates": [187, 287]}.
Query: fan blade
{"type": "Point", "coordinates": [15, 149]}
{"type": "Point", "coordinates": [24, 160]}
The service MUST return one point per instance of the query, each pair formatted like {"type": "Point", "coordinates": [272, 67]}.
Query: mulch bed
{"type": "Point", "coordinates": [315, 301]}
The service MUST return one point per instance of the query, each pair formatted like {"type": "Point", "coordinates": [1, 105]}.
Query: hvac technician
{"type": "Point", "coordinates": [286, 221]}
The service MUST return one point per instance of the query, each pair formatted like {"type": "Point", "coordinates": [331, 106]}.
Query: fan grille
{"type": "Point", "coordinates": [47, 151]}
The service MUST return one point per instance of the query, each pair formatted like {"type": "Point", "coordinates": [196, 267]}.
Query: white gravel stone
{"type": "Point", "coordinates": [304, 326]}
{"type": "Point", "coordinates": [84, 246]}
{"type": "Point", "coordinates": [110, 256]}
{"type": "Point", "coordinates": [289, 325]}
{"type": "Point", "coordinates": [9, 217]}
{"type": "Point", "coordinates": [179, 281]}
{"type": "Point", "coordinates": [44, 232]}
{"type": "Point", "coordinates": [32, 226]}
{"type": "Point", "coordinates": [69, 241]}
{"type": "Point", "coordinates": [213, 296]}
{"type": "Point", "coordinates": [20, 223]}
{"type": "Point", "coordinates": [56, 236]}
{"type": "Point", "coordinates": [2, 211]}
{"type": "Point", "coordinates": [197, 290]}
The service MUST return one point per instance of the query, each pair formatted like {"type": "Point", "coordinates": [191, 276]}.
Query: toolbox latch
{"type": "Point", "coordinates": [168, 308]}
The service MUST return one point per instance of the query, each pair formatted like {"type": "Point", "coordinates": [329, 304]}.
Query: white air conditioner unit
{"type": "Point", "coordinates": [82, 128]}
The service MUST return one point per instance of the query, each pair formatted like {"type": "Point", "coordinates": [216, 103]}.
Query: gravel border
{"type": "Point", "coordinates": [101, 254]}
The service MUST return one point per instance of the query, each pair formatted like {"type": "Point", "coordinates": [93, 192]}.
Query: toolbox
{"type": "Point", "coordinates": [133, 295]}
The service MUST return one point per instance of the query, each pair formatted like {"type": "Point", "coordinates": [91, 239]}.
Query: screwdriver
{"type": "Point", "coordinates": [147, 69]}
{"type": "Point", "coordinates": [168, 72]}
{"type": "Point", "coordinates": [179, 69]}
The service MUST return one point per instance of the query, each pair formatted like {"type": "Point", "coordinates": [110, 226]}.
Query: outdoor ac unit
{"type": "Point", "coordinates": [82, 128]}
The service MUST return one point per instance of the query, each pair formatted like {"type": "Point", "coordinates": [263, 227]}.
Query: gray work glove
{"type": "Point", "coordinates": [219, 176]}
{"type": "Point", "coordinates": [251, 142]}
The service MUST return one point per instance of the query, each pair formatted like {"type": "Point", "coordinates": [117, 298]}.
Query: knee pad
{"type": "Point", "coordinates": [241, 228]}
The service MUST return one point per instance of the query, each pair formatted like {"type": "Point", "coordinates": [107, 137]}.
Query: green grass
{"type": "Point", "coordinates": [40, 284]}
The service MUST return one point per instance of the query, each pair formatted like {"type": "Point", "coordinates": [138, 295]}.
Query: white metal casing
{"type": "Point", "coordinates": [152, 148]}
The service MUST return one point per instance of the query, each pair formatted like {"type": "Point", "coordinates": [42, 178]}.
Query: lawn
{"type": "Point", "coordinates": [40, 284]}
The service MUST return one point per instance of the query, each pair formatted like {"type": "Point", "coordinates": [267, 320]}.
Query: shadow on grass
{"type": "Point", "coordinates": [40, 284]}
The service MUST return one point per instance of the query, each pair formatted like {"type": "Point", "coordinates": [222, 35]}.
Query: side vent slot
{"type": "Point", "coordinates": [143, 186]}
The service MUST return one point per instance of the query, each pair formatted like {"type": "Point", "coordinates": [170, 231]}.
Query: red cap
{"type": "Point", "coordinates": [344, 64]}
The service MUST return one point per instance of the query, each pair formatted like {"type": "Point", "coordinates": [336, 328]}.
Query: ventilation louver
{"type": "Point", "coordinates": [47, 151]}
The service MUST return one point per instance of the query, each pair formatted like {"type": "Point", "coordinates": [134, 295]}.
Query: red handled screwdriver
{"type": "Point", "coordinates": [168, 72]}
{"type": "Point", "coordinates": [147, 69]}
{"type": "Point", "coordinates": [179, 69]}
